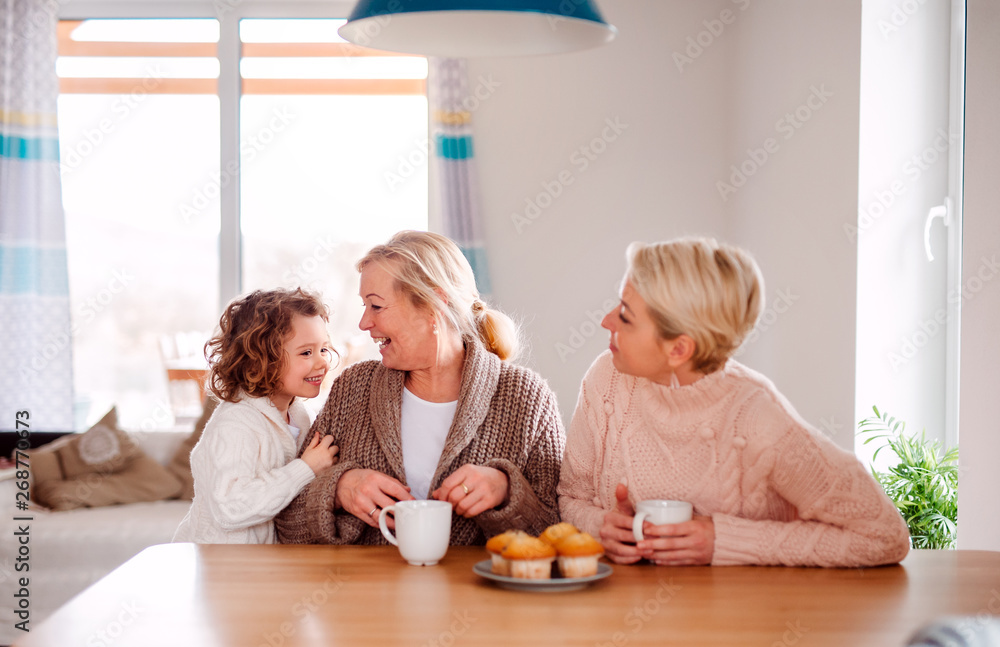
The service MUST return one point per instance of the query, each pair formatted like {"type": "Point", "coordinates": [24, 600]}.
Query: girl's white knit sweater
{"type": "Point", "coordinates": [245, 472]}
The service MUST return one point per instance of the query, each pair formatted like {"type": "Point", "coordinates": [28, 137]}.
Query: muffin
{"type": "Point", "coordinates": [554, 533]}
{"type": "Point", "coordinates": [578, 555]}
{"type": "Point", "coordinates": [529, 558]}
{"type": "Point", "coordinates": [495, 546]}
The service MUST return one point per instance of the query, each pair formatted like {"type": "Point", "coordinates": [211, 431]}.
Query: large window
{"type": "Point", "coordinates": [154, 198]}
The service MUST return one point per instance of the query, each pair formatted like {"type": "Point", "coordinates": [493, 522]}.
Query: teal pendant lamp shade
{"type": "Point", "coordinates": [466, 28]}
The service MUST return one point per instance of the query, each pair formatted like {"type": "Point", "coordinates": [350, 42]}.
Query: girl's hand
{"type": "Point", "coordinates": [616, 533]}
{"type": "Point", "coordinates": [674, 544]}
{"type": "Point", "coordinates": [364, 493]}
{"type": "Point", "coordinates": [473, 489]}
{"type": "Point", "coordinates": [320, 453]}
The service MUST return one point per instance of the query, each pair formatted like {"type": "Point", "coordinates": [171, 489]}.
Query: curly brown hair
{"type": "Point", "coordinates": [248, 353]}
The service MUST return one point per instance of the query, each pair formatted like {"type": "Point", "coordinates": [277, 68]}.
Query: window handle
{"type": "Point", "coordinates": [942, 211]}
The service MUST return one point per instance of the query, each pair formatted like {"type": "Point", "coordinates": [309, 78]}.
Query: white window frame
{"type": "Point", "coordinates": [956, 174]}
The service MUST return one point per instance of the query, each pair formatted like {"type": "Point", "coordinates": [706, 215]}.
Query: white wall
{"type": "Point", "coordinates": [648, 182]}
{"type": "Point", "coordinates": [657, 180]}
{"type": "Point", "coordinates": [979, 476]}
{"type": "Point", "coordinates": [794, 79]}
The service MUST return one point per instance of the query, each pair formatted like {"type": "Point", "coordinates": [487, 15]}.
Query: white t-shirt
{"type": "Point", "coordinates": [424, 427]}
{"type": "Point", "coordinates": [294, 431]}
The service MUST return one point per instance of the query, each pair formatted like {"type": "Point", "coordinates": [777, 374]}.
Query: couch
{"type": "Point", "coordinates": [71, 549]}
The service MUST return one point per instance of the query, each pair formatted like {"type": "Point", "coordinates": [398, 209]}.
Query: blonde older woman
{"type": "Point", "coordinates": [444, 415]}
{"type": "Point", "coordinates": [665, 413]}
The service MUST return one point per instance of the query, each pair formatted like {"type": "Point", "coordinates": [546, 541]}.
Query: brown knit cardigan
{"type": "Point", "coordinates": [506, 419]}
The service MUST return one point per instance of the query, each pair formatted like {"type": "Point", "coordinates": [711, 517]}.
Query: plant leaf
{"type": "Point", "coordinates": [923, 484]}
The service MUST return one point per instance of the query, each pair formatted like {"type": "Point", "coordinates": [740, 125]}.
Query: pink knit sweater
{"type": "Point", "coordinates": [778, 491]}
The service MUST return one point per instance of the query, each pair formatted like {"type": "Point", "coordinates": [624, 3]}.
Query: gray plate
{"type": "Point", "coordinates": [554, 585]}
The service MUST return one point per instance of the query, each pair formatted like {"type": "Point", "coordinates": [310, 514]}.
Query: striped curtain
{"type": "Point", "coordinates": [451, 106]}
{"type": "Point", "coordinates": [36, 371]}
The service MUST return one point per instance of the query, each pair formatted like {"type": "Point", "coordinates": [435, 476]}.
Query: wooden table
{"type": "Point", "coordinates": [250, 596]}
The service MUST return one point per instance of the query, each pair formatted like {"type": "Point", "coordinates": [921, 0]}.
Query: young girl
{"type": "Point", "coordinates": [271, 349]}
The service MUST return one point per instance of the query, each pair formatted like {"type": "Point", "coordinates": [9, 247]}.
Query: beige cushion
{"type": "Point", "coordinates": [142, 479]}
{"type": "Point", "coordinates": [180, 464]}
{"type": "Point", "coordinates": [103, 448]}
{"type": "Point", "coordinates": [101, 466]}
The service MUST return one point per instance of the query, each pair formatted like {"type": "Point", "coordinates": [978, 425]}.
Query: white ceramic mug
{"type": "Point", "coordinates": [659, 512]}
{"type": "Point", "coordinates": [423, 529]}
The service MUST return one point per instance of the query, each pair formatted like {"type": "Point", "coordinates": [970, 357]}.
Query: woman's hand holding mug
{"type": "Point", "coordinates": [666, 534]}
{"type": "Point", "coordinates": [616, 533]}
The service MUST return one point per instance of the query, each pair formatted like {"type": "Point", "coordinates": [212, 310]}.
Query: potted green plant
{"type": "Point", "coordinates": [923, 484]}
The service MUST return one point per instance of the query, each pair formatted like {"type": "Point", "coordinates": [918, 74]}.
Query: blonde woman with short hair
{"type": "Point", "coordinates": [666, 413]}
{"type": "Point", "coordinates": [444, 415]}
